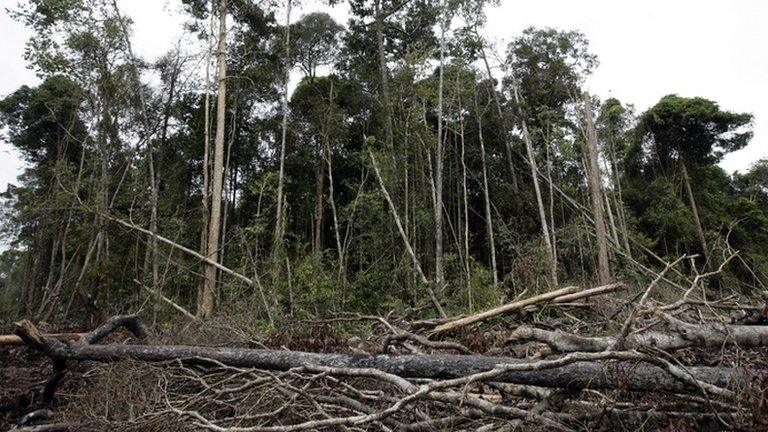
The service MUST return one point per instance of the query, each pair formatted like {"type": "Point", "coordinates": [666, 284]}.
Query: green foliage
{"type": "Point", "coordinates": [83, 135]}
{"type": "Point", "coordinates": [693, 127]}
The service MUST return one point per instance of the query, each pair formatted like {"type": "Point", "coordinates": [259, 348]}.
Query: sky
{"type": "Point", "coordinates": [647, 49]}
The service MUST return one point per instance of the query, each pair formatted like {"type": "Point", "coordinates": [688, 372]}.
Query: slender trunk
{"type": "Point", "coordinates": [153, 197]}
{"type": "Point", "coordinates": [596, 187]}
{"type": "Point", "coordinates": [383, 71]}
{"type": "Point", "coordinates": [205, 307]}
{"type": "Point", "coordinates": [619, 199]}
{"type": "Point", "coordinates": [205, 193]}
{"type": "Point", "coordinates": [486, 197]}
{"type": "Point", "coordinates": [439, 171]}
{"type": "Point", "coordinates": [280, 219]}
{"type": "Point", "coordinates": [694, 208]}
{"type": "Point", "coordinates": [328, 159]}
{"type": "Point", "coordinates": [408, 247]}
{"type": "Point", "coordinates": [551, 204]}
{"type": "Point", "coordinates": [228, 203]}
{"type": "Point", "coordinates": [614, 232]}
{"type": "Point", "coordinates": [467, 268]}
{"type": "Point", "coordinates": [317, 244]}
{"type": "Point", "coordinates": [536, 187]}
{"type": "Point", "coordinates": [500, 112]}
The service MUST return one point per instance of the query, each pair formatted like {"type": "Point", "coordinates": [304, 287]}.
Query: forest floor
{"type": "Point", "coordinates": [137, 396]}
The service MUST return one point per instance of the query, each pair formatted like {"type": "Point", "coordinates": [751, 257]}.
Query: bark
{"type": "Point", "coordinates": [152, 168]}
{"type": "Point", "coordinates": [561, 296]}
{"type": "Point", "coordinates": [328, 157]}
{"type": "Point", "coordinates": [596, 189]}
{"type": "Point", "coordinates": [619, 198]}
{"type": "Point", "coordinates": [207, 260]}
{"type": "Point", "coordinates": [583, 372]}
{"type": "Point", "coordinates": [205, 306]}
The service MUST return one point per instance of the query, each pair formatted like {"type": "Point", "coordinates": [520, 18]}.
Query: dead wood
{"type": "Point", "coordinates": [626, 370]}
{"type": "Point", "coordinates": [686, 336]}
{"type": "Point", "coordinates": [11, 340]}
{"type": "Point", "coordinates": [563, 295]}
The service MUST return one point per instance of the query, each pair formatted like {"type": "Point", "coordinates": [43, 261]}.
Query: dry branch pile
{"type": "Point", "coordinates": [690, 364]}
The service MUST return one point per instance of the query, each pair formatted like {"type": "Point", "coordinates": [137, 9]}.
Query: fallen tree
{"type": "Point", "coordinates": [684, 335]}
{"type": "Point", "coordinates": [626, 370]}
{"type": "Point", "coordinates": [562, 295]}
{"type": "Point", "coordinates": [16, 340]}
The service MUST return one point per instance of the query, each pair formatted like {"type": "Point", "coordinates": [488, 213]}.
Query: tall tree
{"type": "Point", "coordinates": [596, 189]}
{"type": "Point", "coordinates": [280, 212]}
{"type": "Point", "coordinates": [207, 299]}
{"type": "Point", "coordinates": [690, 134]}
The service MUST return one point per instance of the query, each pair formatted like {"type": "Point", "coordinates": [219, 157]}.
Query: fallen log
{"type": "Point", "coordinates": [11, 340]}
{"type": "Point", "coordinates": [501, 310]}
{"type": "Point", "coordinates": [682, 335]}
{"type": "Point", "coordinates": [561, 296]}
{"type": "Point", "coordinates": [626, 372]}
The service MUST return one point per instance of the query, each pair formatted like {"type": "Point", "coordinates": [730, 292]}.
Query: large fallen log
{"type": "Point", "coordinates": [622, 370]}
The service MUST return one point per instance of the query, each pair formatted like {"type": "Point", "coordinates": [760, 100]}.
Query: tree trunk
{"type": "Point", "coordinates": [486, 198]}
{"type": "Point", "coordinates": [317, 243]}
{"type": "Point", "coordinates": [500, 112]}
{"type": "Point", "coordinates": [539, 200]}
{"type": "Point", "coordinates": [584, 372]}
{"type": "Point", "coordinates": [467, 266]}
{"type": "Point", "coordinates": [439, 170]}
{"type": "Point", "coordinates": [596, 187]}
{"type": "Point", "coordinates": [694, 208]}
{"type": "Point", "coordinates": [383, 71]}
{"type": "Point", "coordinates": [408, 247]}
{"type": "Point", "coordinates": [280, 219]}
{"type": "Point", "coordinates": [327, 156]}
{"type": "Point", "coordinates": [205, 192]}
{"type": "Point", "coordinates": [205, 307]}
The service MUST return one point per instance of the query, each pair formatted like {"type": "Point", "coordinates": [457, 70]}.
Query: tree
{"type": "Point", "coordinates": [596, 189]}
{"type": "Point", "coordinates": [315, 42]}
{"type": "Point", "coordinates": [614, 124]}
{"type": "Point", "coordinates": [690, 134]}
{"type": "Point", "coordinates": [207, 299]}
{"type": "Point", "coordinates": [547, 68]}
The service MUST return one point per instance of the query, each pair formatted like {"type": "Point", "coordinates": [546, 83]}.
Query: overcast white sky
{"type": "Point", "coordinates": [647, 49]}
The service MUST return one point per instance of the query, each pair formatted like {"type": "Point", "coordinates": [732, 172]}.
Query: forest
{"type": "Point", "coordinates": [389, 223]}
